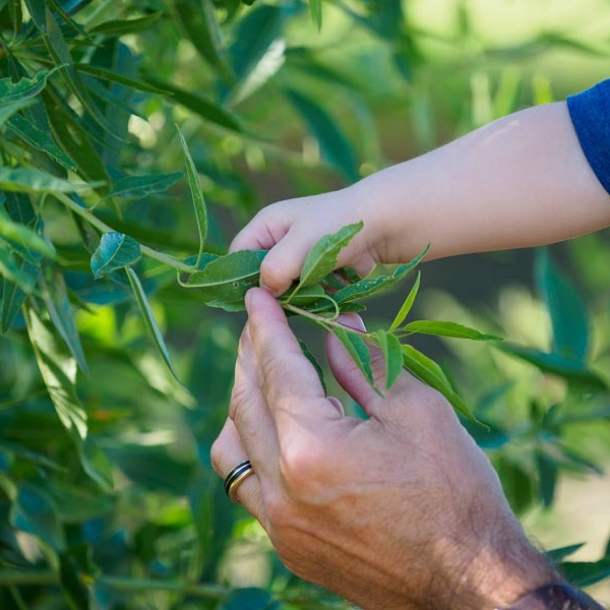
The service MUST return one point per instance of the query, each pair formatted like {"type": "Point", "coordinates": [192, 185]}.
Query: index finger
{"type": "Point", "coordinates": [290, 383]}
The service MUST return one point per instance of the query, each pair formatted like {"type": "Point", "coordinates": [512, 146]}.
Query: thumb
{"type": "Point", "coordinates": [348, 374]}
{"type": "Point", "coordinates": [283, 263]}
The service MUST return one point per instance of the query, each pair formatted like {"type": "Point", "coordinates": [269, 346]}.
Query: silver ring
{"type": "Point", "coordinates": [236, 477]}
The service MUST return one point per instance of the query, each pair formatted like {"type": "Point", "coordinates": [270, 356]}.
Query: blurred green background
{"type": "Point", "coordinates": [383, 81]}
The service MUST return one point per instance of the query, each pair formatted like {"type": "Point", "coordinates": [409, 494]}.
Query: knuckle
{"type": "Point", "coordinates": [302, 465]}
{"type": "Point", "coordinates": [237, 406]}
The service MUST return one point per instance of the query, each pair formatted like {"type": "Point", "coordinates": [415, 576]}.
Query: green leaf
{"type": "Point", "coordinates": [585, 573]}
{"type": "Point", "coordinates": [569, 316]}
{"type": "Point", "coordinates": [59, 51]}
{"type": "Point", "coordinates": [34, 512]}
{"type": "Point", "coordinates": [114, 252]}
{"type": "Point", "coordinates": [448, 329]}
{"type": "Point", "coordinates": [14, 272]}
{"type": "Point", "coordinates": [250, 598]}
{"type": "Point", "coordinates": [314, 362]}
{"type": "Point", "coordinates": [206, 109]}
{"type": "Point", "coordinates": [336, 147]}
{"type": "Point", "coordinates": [547, 476]}
{"type": "Point", "coordinates": [24, 89]}
{"type": "Point", "coordinates": [13, 295]}
{"type": "Point", "coordinates": [7, 111]}
{"type": "Point", "coordinates": [197, 20]}
{"type": "Point", "coordinates": [36, 8]}
{"type": "Point", "coordinates": [559, 554]}
{"type": "Point", "coordinates": [36, 181]}
{"type": "Point", "coordinates": [573, 372]}
{"type": "Point", "coordinates": [95, 463]}
{"type": "Point", "coordinates": [58, 369]}
{"type": "Point", "coordinates": [431, 373]}
{"type": "Point", "coordinates": [322, 258]}
{"type": "Point", "coordinates": [254, 35]}
{"type": "Point", "coordinates": [150, 321]}
{"type": "Point", "coordinates": [392, 354]}
{"type": "Point", "coordinates": [59, 308]}
{"type": "Point", "coordinates": [72, 585]}
{"type": "Point", "coordinates": [315, 7]}
{"type": "Point", "coordinates": [229, 277]}
{"type": "Point", "coordinates": [407, 305]}
{"type": "Point", "coordinates": [41, 140]}
{"type": "Point", "coordinates": [357, 349]}
{"type": "Point", "coordinates": [371, 286]}
{"type": "Point", "coordinates": [201, 213]}
{"type": "Point", "coordinates": [136, 187]}
{"type": "Point", "coordinates": [126, 26]}
{"type": "Point", "coordinates": [25, 236]}
{"type": "Point", "coordinates": [120, 79]}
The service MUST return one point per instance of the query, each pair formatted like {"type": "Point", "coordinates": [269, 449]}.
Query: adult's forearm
{"type": "Point", "coordinates": [518, 182]}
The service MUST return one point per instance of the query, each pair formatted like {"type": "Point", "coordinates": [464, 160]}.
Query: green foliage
{"type": "Point", "coordinates": [108, 498]}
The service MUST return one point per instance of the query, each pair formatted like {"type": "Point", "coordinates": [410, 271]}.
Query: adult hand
{"type": "Point", "coordinates": [402, 510]}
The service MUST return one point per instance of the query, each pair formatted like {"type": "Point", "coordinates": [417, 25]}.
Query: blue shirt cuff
{"type": "Point", "coordinates": [590, 114]}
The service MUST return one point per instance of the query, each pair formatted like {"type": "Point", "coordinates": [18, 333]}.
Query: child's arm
{"type": "Point", "coordinates": [520, 181]}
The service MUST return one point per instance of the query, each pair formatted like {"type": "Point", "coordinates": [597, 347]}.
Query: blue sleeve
{"type": "Point", "coordinates": [590, 114]}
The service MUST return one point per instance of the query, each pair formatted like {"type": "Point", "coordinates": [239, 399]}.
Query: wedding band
{"type": "Point", "coordinates": [236, 477]}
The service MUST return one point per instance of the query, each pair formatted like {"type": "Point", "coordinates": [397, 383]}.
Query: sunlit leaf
{"type": "Point", "coordinates": [392, 354]}
{"type": "Point", "coordinates": [407, 305]}
{"type": "Point", "coordinates": [448, 329]}
{"type": "Point", "coordinates": [315, 7]}
{"type": "Point", "coordinates": [150, 321]}
{"type": "Point", "coordinates": [126, 26]}
{"type": "Point", "coordinates": [23, 89]}
{"type": "Point", "coordinates": [357, 349]}
{"type": "Point", "coordinates": [23, 180]}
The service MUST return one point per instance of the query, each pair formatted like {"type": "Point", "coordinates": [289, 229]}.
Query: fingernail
{"type": "Point", "coordinates": [352, 320]}
{"type": "Point", "coordinates": [248, 299]}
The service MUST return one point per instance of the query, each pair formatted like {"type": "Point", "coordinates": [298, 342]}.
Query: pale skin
{"type": "Point", "coordinates": [402, 510]}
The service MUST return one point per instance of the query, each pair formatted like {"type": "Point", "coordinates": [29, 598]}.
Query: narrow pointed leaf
{"type": "Point", "coordinates": [23, 89]}
{"type": "Point", "coordinates": [336, 147]}
{"type": "Point", "coordinates": [62, 316]}
{"type": "Point", "coordinates": [197, 20]}
{"type": "Point", "coordinates": [136, 187]}
{"type": "Point", "coordinates": [208, 110]}
{"type": "Point", "coordinates": [392, 354]}
{"type": "Point", "coordinates": [58, 369]}
{"type": "Point", "coordinates": [431, 373]}
{"type": "Point", "coordinates": [114, 252]}
{"type": "Point", "coordinates": [40, 140]}
{"type": "Point", "coordinates": [407, 305]}
{"type": "Point", "coordinates": [448, 329]}
{"type": "Point", "coordinates": [59, 51]}
{"type": "Point", "coordinates": [316, 365]}
{"type": "Point", "coordinates": [126, 26]}
{"type": "Point", "coordinates": [585, 573]}
{"type": "Point", "coordinates": [120, 79]}
{"type": "Point", "coordinates": [201, 213]}
{"type": "Point", "coordinates": [315, 8]}
{"type": "Point", "coordinates": [36, 181]}
{"type": "Point", "coordinates": [569, 316]}
{"type": "Point", "coordinates": [150, 321]}
{"type": "Point", "coordinates": [25, 236]}
{"type": "Point", "coordinates": [371, 286]}
{"type": "Point", "coordinates": [358, 350]}
{"type": "Point", "coordinates": [13, 295]}
{"type": "Point", "coordinates": [13, 271]}
{"type": "Point", "coordinates": [559, 554]}
{"type": "Point", "coordinates": [322, 258]}
{"type": "Point", "coordinates": [573, 372]}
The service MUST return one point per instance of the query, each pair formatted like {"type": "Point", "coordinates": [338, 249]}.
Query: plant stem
{"type": "Point", "coordinates": [326, 322]}
{"type": "Point", "coordinates": [94, 221]}
{"type": "Point", "coordinates": [120, 583]}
